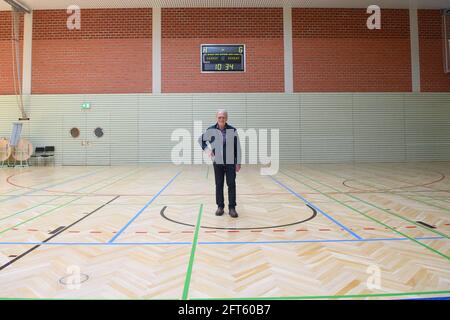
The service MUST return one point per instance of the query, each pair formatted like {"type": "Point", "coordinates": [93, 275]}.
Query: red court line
{"type": "Point", "coordinates": [8, 180]}
{"type": "Point", "coordinates": [224, 231]}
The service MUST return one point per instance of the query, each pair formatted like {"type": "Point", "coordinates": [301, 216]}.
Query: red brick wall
{"type": "Point", "coordinates": [334, 51]}
{"type": "Point", "coordinates": [6, 53]}
{"type": "Point", "coordinates": [432, 76]}
{"type": "Point", "coordinates": [112, 53]}
{"type": "Point", "coordinates": [185, 29]}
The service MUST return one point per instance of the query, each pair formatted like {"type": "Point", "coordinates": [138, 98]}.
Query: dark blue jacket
{"type": "Point", "coordinates": [210, 137]}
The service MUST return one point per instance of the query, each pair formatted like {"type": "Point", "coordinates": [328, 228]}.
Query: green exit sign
{"type": "Point", "coordinates": [86, 105]}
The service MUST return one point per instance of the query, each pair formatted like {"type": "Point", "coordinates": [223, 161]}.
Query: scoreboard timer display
{"type": "Point", "coordinates": [223, 57]}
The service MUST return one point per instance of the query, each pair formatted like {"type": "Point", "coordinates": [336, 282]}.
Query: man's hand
{"type": "Point", "coordinates": [210, 153]}
{"type": "Point", "coordinates": [238, 167]}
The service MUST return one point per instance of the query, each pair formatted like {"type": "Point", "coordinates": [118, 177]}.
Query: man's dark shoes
{"type": "Point", "coordinates": [220, 212]}
{"type": "Point", "coordinates": [233, 213]}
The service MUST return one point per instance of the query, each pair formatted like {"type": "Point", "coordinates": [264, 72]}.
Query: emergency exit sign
{"type": "Point", "coordinates": [85, 106]}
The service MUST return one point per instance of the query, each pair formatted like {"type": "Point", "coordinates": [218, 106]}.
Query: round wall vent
{"type": "Point", "coordinates": [75, 132]}
{"type": "Point", "coordinates": [98, 132]}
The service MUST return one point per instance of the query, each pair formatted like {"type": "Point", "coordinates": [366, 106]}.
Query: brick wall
{"type": "Point", "coordinates": [184, 30]}
{"type": "Point", "coordinates": [334, 51]}
{"type": "Point", "coordinates": [432, 76]}
{"type": "Point", "coordinates": [112, 53]}
{"type": "Point", "coordinates": [6, 53]}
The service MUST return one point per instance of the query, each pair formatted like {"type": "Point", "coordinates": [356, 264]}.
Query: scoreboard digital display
{"type": "Point", "coordinates": [223, 57]}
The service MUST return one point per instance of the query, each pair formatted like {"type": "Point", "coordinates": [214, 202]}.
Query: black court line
{"type": "Point", "coordinates": [314, 214]}
{"type": "Point", "coordinates": [57, 230]}
{"type": "Point", "coordinates": [426, 225]}
{"type": "Point", "coordinates": [56, 233]}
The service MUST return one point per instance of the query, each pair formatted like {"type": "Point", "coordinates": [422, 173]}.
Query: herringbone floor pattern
{"type": "Point", "coordinates": [368, 231]}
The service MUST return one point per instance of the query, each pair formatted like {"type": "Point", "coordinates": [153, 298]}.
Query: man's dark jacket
{"type": "Point", "coordinates": [231, 134]}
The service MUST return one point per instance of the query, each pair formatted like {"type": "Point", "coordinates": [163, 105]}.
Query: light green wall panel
{"type": "Point", "coordinates": [314, 127]}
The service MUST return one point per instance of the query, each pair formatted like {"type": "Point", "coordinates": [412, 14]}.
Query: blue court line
{"type": "Point", "coordinates": [433, 298]}
{"type": "Point", "coordinates": [142, 209]}
{"type": "Point", "coordinates": [213, 242]}
{"type": "Point", "coordinates": [315, 207]}
{"type": "Point", "coordinates": [50, 186]}
{"type": "Point", "coordinates": [320, 241]}
{"type": "Point", "coordinates": [95, 243]}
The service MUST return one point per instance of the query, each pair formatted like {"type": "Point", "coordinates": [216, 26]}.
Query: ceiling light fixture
{"type": "Point", "coordinates": [17, 6]}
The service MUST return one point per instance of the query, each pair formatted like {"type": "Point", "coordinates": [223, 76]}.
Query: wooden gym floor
{"type": "Point", "coordinates": [149, 232]}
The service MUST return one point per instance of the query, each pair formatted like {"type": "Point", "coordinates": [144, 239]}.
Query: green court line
{"type": "Point", "coordinates": [424, 202]}
{"type": "Point", "coordinates": [368, 216]}
{"type": "Point", "coordinates": [374, 295]}
{"type": "Point", "coordinates": [67, 203]}
{"type": "Point", "coordinates": [415, 197]}
{"type": "Point", "coordinates": [59, 181]}
{"type": "Point", "coordinates": [56, 198]}
{"type": "Point", "coordinates": [85, 299]}
{"type": "Point", "coordinates": [187, 282]}
{"type": "Point", "coordinates": [379, 208]}
{"type": "Point", "coordinates": [24, 210]}
{"type": "Point", "coordinates": [6, 194]}
{"type": "Point", "coordinates": [43, 203]}
{"type": "Point", "coordinates": [431, 189]}
{"type": "Point", "coordinates": [404, 196]}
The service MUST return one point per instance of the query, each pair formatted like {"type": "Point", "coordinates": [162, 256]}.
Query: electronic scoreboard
{"type": "Point", "coordinates": [222, 58]}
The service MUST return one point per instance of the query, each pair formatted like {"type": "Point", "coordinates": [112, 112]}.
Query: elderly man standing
{"type": "Point", "coordinates": [221, 142]}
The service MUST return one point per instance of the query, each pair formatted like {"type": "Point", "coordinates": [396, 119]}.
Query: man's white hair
{"type": "Point", "coordinates": [222, 111]}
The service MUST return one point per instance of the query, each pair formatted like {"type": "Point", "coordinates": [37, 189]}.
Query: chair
{"type": "Point", "coordinates": [49, 152]}
{"type": "Point", "coordinates": [38, 152]}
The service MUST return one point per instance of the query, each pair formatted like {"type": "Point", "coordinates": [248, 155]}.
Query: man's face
{"type": "Point", "coordinates": [222, 119]}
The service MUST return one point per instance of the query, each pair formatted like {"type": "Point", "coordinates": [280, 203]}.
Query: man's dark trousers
{"type": "Point", "coordinates": [220, 172]}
